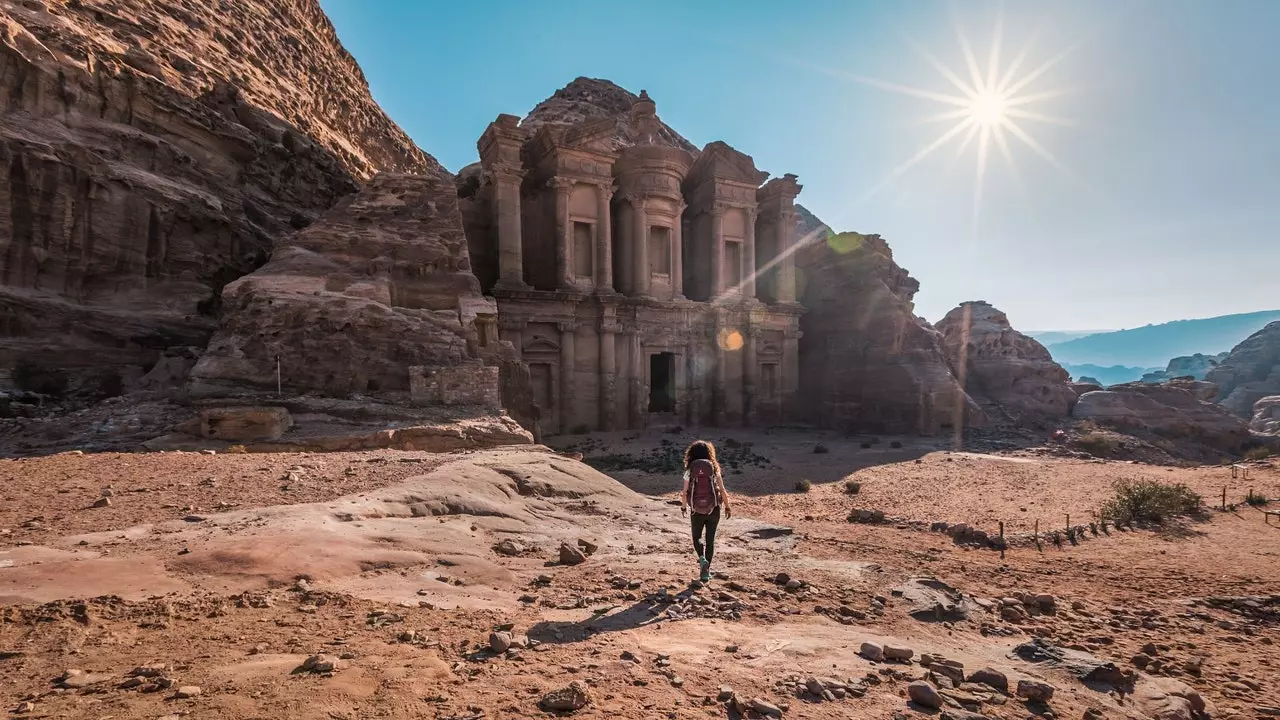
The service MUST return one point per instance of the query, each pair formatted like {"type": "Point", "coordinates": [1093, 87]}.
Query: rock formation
{"type": "Point", "coordinates": [867, 362]}
{"type": "Point", "coordinates": [1173, 410]}
{"type": "Point", "coordinates": [1266, 416]}
{"type": "Point", "coordinates": [1000, 366]}
{"type": "Point", "coordinates": [1250, 372]}
{"type": "Point", "coordinates": [152, 153]}
{"type": "Point", "coordinates": [594, 99]}
{"type": "Point", "coordinates": [1192, 366]}
{"type": "Point", "coordinates": [379, 284]}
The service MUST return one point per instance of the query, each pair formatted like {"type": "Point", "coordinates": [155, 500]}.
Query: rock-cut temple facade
{"type": "Point", "coordinates": [642, 283]}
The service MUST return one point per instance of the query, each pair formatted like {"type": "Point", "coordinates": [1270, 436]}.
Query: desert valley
{"type": "Point", "coordinates": [296, 423]}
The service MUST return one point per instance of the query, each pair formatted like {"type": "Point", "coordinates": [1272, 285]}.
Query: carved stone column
{"type": "Point", "coordinates": [790, 372]}
{"type": "Point", "coordinates": [749, 259]}
{"type": "Point", "coordinates": [787, 266]}
{"type": "Point", "coordinates": [564, 233]}
{"type": "Point", "coordinates": [604, 241]}
{"type": "Point", "coordinates": [717, 251]}
{"type": "Point", "coordinates": [750, 371]}
{"type": "Point", "coordinates": [695, 385]}
{"type": "Point", "coordinates": [677, 260]}
{"type": "Point", "coordinates": [506, 217]}
{"type": "Point", "coordinates": [641, 249]}
{"type": "Point", "coordinates": [567, 360]}
{"type": "Point", "coordinates": [639, 398]}
{"type": "Point", "coordinates": [608, 375]}
{"type": "Point", "coordinates": [719, 389]}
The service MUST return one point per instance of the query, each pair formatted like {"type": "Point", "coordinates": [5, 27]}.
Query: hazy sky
{"type": "Point", "coordinates": [1162, 199]}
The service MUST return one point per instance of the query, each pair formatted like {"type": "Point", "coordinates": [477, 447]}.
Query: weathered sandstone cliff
{"type": "Point", "coordinates": [1179, 410]}
{"type": "Point", "coordinates": [867, 362]}
{"type": "Point", "coordinates": [1250, 372]}
{"type": "Point", "coordinates": [152, 152]}
{"type": "Point", "coordinates": [1000, 366]}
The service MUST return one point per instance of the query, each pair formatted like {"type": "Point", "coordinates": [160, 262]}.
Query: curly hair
{"type": "Point", "coordinates": [700, 450]}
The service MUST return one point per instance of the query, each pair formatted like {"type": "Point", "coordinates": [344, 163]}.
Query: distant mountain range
{"type": "Point", "coordinates": [1052, 337]}
{"type": "Point", "coordinates": [1153, 346]}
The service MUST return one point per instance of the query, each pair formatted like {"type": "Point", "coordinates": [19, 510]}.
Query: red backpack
{"type": "Point", "coordinates": [703, 494]}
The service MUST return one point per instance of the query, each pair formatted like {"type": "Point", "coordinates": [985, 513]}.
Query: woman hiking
{"type": "Point", "coordinates": [703, 492]}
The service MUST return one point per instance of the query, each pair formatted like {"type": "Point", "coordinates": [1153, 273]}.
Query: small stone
{"type": "Point", "coordinates": [1046, 601]}
{"type": "Point", "coordinates": [1141, 660]}
{"type": "Point", "coordinates": [320, 664]}
{"type": "Point", "coordinates": [781, 579]}
{"type": "Point", "coordinates": [794, 584]}
{"type": "Point", "coordinates": [102, 502]}
{"type": "Point", "coordinates": [765, 708]}
{"type": "Point", "coordinates": [570, 555]}
{"type": "Point", "coordinates": [871, 651]}
{"type": "Point", "coordinates": [500, 642]}
{"type": "Point", "coordinates": [924, 695]}
{"type": "Point", "coordinates": [25, 707]}
{"type": "Point", "coordinates": [1035, 690]}
{"type": "Point", "coordinates": [898, 653]}
{"type": "Point", "coordinates": [991, 678]}
{"type": "Point", "coordinates": [187, 691]}
{"type": "Point", "coordinates": [731, 649]}
{"type": "Point", "coordinates": [569, 699]}
{"type": "Point", "coordinates": [587, 546]}
{"type": "Point", "coordinates": [510, 548]}
{"type": "Point", "coordinates": [1093, 714]}
{"type": "Point", "coordinates": [726, 694]}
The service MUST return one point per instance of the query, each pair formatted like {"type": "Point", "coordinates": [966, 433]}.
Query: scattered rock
{"type": "Point", "coordinates": [570, 555]}
{"type": "Point", "coordinates": [500, 642]}
{"type": "Point", "coordinates": [1035, 690]}
{"type": "Point", "coordinates": [77, 679]}
{"type": "Point", "coordinates": [187, 691]}
{"type": "Point", "coordinates": [587, 546]}
{"type": "Point", "coordinates": [872, 651]}
{"type": "Point", "coordinates": [898, 653]}
{"type": "Point", "coordinates": [958, 714]}
{"type": "Point", "coordinates": [933, 600]}
{"type": "Point", "coordinates": [765, 708]}
{"type": "Point", "coordinates": [102, 502]}
{"type": "Point", "coordinates": [510, 548]}
{"type": "Point", "coordinates": [320, 664]}
{"type": "Point", "coordinates": [726, 694]}
{"type": "Point", "coordinates": [924, 694]}
{"type": "Point", "coordinates": [568, 699]}
{"type": "Point", "coordinates": [991, 678]}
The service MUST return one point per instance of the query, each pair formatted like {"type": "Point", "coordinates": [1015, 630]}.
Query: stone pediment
{"type": "Point", "coordinates": [541, 345]}
{"type": "Point", "coordinates": [592, 135]}
{"type": "Point", "coordinates": [721, 161]}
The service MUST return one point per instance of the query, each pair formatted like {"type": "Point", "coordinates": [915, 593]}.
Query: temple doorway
{"type": "Point", "coordinates": [662, 382]}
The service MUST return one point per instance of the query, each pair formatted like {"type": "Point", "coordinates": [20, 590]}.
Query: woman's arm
{"type": "Point", "coordinates": [684, 494]}
{"type": "Point", "coordinates": [724, 495]}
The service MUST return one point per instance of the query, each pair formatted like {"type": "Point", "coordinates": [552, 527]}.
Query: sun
{"type": "Point", "coordinates": [990, 106]}
{"type": "Point", "coordinates": [987, 110]}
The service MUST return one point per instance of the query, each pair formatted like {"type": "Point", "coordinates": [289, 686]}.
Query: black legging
{"type": "Point", "coordinates": [709, 522]}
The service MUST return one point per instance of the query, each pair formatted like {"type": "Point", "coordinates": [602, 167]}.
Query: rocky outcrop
{"type": "Point", "coordinates": [1266, 416]}
{"type": "Point", "coordinates": [594, 99]}
{"type": "Point", "coordinates": [1000, 366]}
{"type": "Point", "coordinates": [380, 284]}
{"type": "Point", "coordinates": [1250, 372]}
{"type": "Point", "coordinates": [866, 361]}
{"type": "Point", "coordinates": [1171, 410]}
{"type": "Point", "coordinates": [152, 152]}
{"type": "Point", "coordinates": [1192, 366]}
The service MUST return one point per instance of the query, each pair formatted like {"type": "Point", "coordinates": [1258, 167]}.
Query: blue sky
{"type": "Point", "coordinates": [1162, 200]}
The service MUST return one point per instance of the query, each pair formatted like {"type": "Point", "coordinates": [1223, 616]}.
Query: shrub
{"type": "Point", "coordinates": [1098, 444]}
{"type": "Point", "coordinates": [1256, 500]}
{"type": "Point", "coordinates": [853, 487]}
{"type": "Point", "coordinates": [803, 485]}
{"type": "Point", "coordinates": [33, 377]}
{"type": "Point", "coordinates": [1149, 501]}
{"type": "Point", "coordinates": [1261, 452]}
{"type": "Point", "coordinates": [896, 445]}
{"type": "Point", "coordinates": [866, 446]}
{"type": "Point", "coordinates": [237, 450]}
{"type": "Point", "coordinates": [820, 449]}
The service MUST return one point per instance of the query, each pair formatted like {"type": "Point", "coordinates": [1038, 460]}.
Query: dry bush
{"type": "Point", "coordinates": [1098, 444]}
{"type": "Point", "coordinates": [1262, 452]}
{"type": "Point", "coordinates": [803, 485]}
{"type": "Point", "coordinates": [1149, 501]}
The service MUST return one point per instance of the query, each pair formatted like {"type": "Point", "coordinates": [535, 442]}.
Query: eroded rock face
{"type": "Point", "coordinates": [152, 151]}
{"type": "Point", "coordinates": [1171, 410]}
{"type": "Point", "coordinates": [1000, 365]}
{"type": "Point", "coordinates": [1250, 372]}
{"type": "Point", "coordinates": [595, 99]}
{"type": "Point", "coordinates": [1194, 366]}
{"type": "Point", "coordinates": [380, 284]}
{"type": "Point", "coordinates": [866, 361]}
{"type": "Point", "coordinates": [1266, 416]}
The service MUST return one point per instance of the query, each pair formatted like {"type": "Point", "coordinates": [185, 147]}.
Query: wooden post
{"type": "Point", "coordinates": [1037, 534]}
{"type": "Point", "coordinates": [1068, 523]}
{"type": "Point", "coordinates": [1002, 544]}
{"type": "Point", "coordinates": [1224, 498]}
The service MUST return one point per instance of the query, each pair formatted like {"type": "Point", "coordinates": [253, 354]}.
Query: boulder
{"type": "Point", "coordinates": [991, 678]}
{"type": "Point", "coordinates": [924, 694]}
{"type": "Point", "coordinates": [932, 600]}
{"type": "Point", "coordinates": [866, 361]}
{"type": "Point", "coordinates": [1250, 372]}
{"type": "Point", "coordinates": [1171, 410]}
{"type": "Point", "coordinates": [1035, 691]}
{"type": "Point", "coordinates": [1169, 699]}
{"type": "Point", "coordinates": [244, 424]}
{"type": "Point", "coordinates": [1266, 416]}
{"type": "Point", "coordinates": [1001, 366]}
{"type": "Point", "coordinates": [1087, 668]}
{"type": "Point", "coordinates": [872, 651]}
{"type": "Point", "coordinates": [154, 154]}
{"type": "Point", "coordinates": [568, 699]}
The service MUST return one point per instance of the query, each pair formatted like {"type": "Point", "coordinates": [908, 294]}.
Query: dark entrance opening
{"type": "Point", "coordinates": [662, 382]}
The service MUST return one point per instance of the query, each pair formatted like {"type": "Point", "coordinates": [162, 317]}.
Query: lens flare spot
{"type": "Point", "coordinates": [844, 242]}
{"type": "Point", "coordinates": [730, 340]}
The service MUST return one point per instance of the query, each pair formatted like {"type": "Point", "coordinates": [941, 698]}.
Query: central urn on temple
{"type": "Point", "coordinates": [622, 257]}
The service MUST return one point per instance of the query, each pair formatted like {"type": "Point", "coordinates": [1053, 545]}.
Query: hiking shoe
{"type": "Point", "coordinates": [706, 575]}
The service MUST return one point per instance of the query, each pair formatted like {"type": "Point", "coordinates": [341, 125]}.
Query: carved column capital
{"type": "Point", "coordinates": [567, 326]}
{"type": "Point", "coordinates": [720, 208]}
{"type": "Point", "coordinates": [504, 171]}
{"type": "Point", "coordinates": [558, 183]}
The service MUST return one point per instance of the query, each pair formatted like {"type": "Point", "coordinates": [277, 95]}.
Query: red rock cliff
{"type": "Point", "coordinates": [153, 151]}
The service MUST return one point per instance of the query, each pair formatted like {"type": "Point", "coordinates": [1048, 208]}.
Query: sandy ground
{"type": "Point", "coordinates": [386, 561]}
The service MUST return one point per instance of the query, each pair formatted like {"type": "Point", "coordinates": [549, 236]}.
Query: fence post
{"type": "Point", "coordinates": [1002, 543]}
{"type": "Point", "coordinates": [1224, 498]}
{"type": "Point", "coordinates": [1037, 535]}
